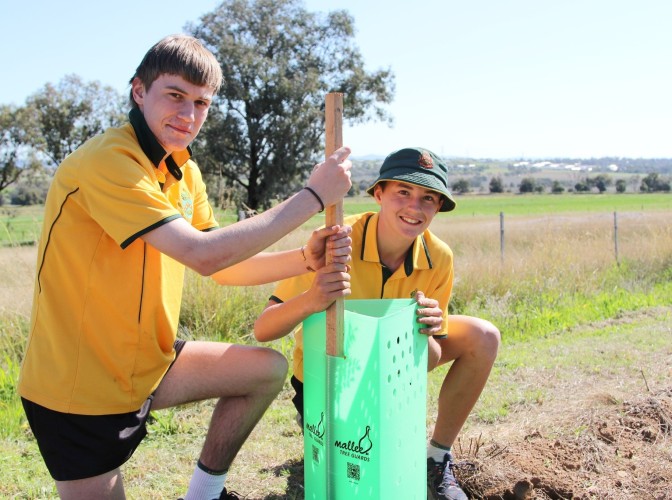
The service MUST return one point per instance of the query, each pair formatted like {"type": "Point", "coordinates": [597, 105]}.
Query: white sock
{"type": "Point", "coordinates": [205, 485]}
{"type": "Point", "coordinates": [437, 451]}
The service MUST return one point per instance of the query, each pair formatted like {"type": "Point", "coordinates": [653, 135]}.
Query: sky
{"type": "Point", "coordinates": [503, 79]}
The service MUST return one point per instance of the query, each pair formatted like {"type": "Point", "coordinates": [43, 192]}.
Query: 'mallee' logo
{"type": "Point", "coordinates": [317, 430]}
{"type": "Point", "coordinates": [362, 447]}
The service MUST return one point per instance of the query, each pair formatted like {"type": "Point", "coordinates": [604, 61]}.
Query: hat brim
{"type": "Point", "coordinates": [422, 180]}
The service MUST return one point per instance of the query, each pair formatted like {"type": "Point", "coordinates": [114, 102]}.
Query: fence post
{"type": "Point", "coordinates": [501, 236]}
{"type": "Point", "coordinates": [616, 238]}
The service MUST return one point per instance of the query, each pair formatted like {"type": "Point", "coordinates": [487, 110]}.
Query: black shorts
{"type": "Point", "coordinates": [81, 446]}
{"type": "Point", "coordinates": [298, 397]}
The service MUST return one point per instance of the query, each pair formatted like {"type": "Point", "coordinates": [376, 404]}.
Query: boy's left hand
{"type": "Point", "coordinates": [334, 239]}
{"type": "Point", "coordinates": [430, 314]}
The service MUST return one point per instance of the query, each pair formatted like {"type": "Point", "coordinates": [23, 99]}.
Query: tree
{"type": "Point", "coordinates": [15, 156]}
{"type": "Point", "coordinates": [61, 118]}
{"type": "Point", "coordinates": [265, 129]}
{"type": "Point", "coordinates": [9, 169]}
{"type": "Point", "coordinates": [460, 186]}
{"type": "Point", "coordinates": [649, 183]}
{"type": "Point", "coordinates": [620, 186]}
{"type": "Point", "coordinates": [496, 185]}
{"type": "Point", "coordinates": [557, 188]}
{"type": "Point", "coordinates": [600, 182]}
{"type": "Point", "coordinates": [582, 187]}
{"type": "Point", "coordinates": [527, 185]}
{"type": "Point", "coordinates": [653, 182]}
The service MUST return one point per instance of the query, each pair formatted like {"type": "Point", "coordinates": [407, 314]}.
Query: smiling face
{"type": "Point", "coordinates": [173, 108]}
{"type": "Point", "coordinates": [406, 210]}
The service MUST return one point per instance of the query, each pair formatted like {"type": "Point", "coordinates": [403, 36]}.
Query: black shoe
{"type": "Point", "coordinates": [441, 482]}
{"type": "Point", "coordinates": [226, 495]}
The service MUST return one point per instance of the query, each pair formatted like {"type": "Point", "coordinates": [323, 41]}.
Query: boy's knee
{"type": "Point", "coordinates": [491, 338]}
{"type": "Point", "coordinates": [433, 354]}
{"type": "Point", "coordinates": [275, 365]}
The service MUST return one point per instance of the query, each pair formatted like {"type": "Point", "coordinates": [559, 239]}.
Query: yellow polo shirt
{"type": "Point", "coordinates": [106, 304]}
{"type": "Point", "coordinates": [428, 267]}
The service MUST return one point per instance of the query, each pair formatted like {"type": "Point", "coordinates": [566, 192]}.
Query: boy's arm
{"type": "Point", "coordinates": [208, 252]}
{"type": "Point", "coordinates": [280, 318]}
{"type": "Point", "coordinates": [267, 267]}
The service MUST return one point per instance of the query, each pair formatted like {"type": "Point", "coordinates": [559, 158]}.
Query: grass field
{"type": "Point", "coordinates": [557, 274]}
{"type": "Point", "coordinates": [21, 225]}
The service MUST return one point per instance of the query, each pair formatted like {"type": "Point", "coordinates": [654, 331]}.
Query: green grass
{"type": "Point", "coordinates": [548, 315]}
{"type": "Point", "coordinates": [536, 314]}
{"type": "Point", "coordinates": [626, 345]}
{"type": "Point", "coordinates": [535, 204]}
{"type": "Point", "coordinates": [21, 225]}
{"type": "Point", "coordinates": [12, 418]}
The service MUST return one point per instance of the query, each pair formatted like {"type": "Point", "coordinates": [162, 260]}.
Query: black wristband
{"type": "Point", "coordinates": [317, 197]}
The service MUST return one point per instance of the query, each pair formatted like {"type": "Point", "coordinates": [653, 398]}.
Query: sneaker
{"type": "Point", "coordinates": [441, 482]}
{"type": "Point", "coordinates": [229, 495]}
{"type": "Point", "coordinates": [225, 496]}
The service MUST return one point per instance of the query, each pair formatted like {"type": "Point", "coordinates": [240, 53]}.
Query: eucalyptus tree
{"type": "Point", "coordinates": [61, 117]}
{"type": "Point", "coordinates": [265, 129]}
{"type": "Point", "coordinates": [16, 156]}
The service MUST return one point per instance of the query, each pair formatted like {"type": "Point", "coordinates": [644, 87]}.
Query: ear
{"type": "Point", "coordinates": [378, 193]}
{"type": "Point", "coordinates": [138, 89]}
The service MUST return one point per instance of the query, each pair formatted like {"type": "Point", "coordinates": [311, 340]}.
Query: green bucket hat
{"type": "Point", "coordinates": [420, 167]}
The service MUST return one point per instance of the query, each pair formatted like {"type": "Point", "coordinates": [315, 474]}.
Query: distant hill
{"type": "Point", "coordinates": [565, 171]}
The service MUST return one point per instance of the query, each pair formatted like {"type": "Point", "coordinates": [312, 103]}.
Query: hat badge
{"type": "Point", "coordinates": [425, 160]}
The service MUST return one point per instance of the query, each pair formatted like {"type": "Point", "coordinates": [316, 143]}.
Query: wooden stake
{"type": "Point", "coordinates": [334, 215]}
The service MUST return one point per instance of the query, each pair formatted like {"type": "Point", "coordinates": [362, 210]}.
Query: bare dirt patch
{"type": "Point", "coordinates": [611, 451]}
{"type": "Point", "coordinates": [602, 431]}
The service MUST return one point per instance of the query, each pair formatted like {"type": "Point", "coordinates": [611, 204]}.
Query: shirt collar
{"type": "Point", "coordinates": [153, 149]}
{"type": "Point", "coordinates": [418, 258]}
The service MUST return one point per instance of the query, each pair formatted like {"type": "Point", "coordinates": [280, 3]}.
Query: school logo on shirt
{"type": "Point", "coordinates": [186, 205]}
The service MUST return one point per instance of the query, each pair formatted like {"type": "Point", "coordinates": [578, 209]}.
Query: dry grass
{"type": "Point", "coordinates": [601, 427]}
{"type": "Point", "coordinates": [545, 252]}
{"type": "Point", "coordinates": [557, 250]}
{"type": "Point", "coordinates": [17, 270]}
{"type": "Point", "coordinates": [550, 251]}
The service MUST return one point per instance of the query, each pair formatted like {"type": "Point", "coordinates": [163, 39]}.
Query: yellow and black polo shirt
{"type": "Point", "coordinates": [106, 304]}
{"type": "Point", "coordinates": [428, 267]}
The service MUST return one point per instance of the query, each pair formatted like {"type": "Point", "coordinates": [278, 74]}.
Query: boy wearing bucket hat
{"type": "Point", "coordinates": [395, 255]}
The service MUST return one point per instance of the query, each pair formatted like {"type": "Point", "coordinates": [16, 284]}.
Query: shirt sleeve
{"type": "Point", "coordinates": [203, 217]}
{"type": "Point", "coordinates": [121, 195]}
{"type": "Point", "coordinates": [291, 287]}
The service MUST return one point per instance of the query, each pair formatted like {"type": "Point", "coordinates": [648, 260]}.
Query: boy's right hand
{"type": "Point", "coordinates": [430, 314]}
{"type": "Point", "coordinates": [334, 240]}
{"type": "Point", "coordinates": [331, 178]}
{"type": "Point", "coordinates": [330, 283]}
